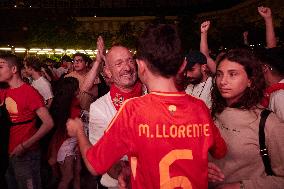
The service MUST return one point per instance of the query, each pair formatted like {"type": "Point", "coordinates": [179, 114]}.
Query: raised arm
{"type": "Point", "coordinates": [204, 27]}
{"type": "Point", "coordinates": [265, 12]}
{"type": "Point", "coordinates": [94, 71]}
{"type": "Point", "coordinates": [245, 37]}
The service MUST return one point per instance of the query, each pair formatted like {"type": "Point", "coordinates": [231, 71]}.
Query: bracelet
{"type": "Point", "coordinates": [22, 145]}
{"type": "Point", "coordinates": [242, 185]}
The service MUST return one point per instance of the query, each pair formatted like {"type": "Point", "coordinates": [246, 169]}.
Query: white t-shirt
{"type": "Point", "coordinates": [201, 91]}
{"type": "Point", "coordinates": [43, 87]}
{"type": "Point", "coordinates": [276, 102]}
{"type": "Point", "coordinates": [101, 113]}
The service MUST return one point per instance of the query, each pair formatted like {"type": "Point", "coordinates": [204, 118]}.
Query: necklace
{"type": "Point", "coordinates": [202, 88]}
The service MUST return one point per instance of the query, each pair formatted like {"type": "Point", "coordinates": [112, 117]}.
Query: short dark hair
{"type": "Point", "coordinates": [160, 47]}
{"type": "Point", "coordinates": [66, 58]}
{"type": "Point", "coordinates": [195, 57]}
{"type": "Point", "coordinates": [12, 60]}
{"type": "Point", "coordinates": [34, 63]}
{"type": "Point", "coordinates": [84, 56]}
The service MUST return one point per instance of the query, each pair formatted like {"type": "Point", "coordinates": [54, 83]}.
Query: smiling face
{"type": "Point", "coordinates": [231, 80]}
{"type": "Point", "coordinates": [121, 67]}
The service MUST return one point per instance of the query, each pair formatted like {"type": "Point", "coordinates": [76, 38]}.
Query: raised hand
{"type": "Point", "coordinates": [204, 27]}
{"type": "Point", "coordinates": [245, 34]}
{"type": "Point", "coordinates": [101, 50]}
{"type": "Point", "coordinates": [265, 12]}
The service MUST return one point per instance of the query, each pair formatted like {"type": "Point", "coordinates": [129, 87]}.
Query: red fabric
{"type": "Point", "coordinates": [75, 108]}
{"type": "Point", "coordinates": [268, 91]}
{"type": "Point", "coordinates": [58, 139]}
{"type": "Point", "coordinates": [22, 103]}
{"type": "Point", "coordinates": [118, 97]}
{"type": "Point", "coordinates": [163, 113]}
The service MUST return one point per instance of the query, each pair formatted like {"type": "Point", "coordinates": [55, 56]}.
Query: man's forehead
{"type": "Point", "coordinates": [3, 61]}
{"type": "Point", "coordinates": [118, 53]}
{"type": "Point", "coordinates": [78, 57]}
{"type": "Point", "coordinates": [118, 50]}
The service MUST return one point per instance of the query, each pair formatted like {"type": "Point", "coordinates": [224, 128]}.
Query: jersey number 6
{"type": "Point", "coordinates": [167, 182]}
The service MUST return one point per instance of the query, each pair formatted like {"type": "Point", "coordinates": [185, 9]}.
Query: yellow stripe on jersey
{"type": "Point", "coordinates": [133, 166]}
{"type": "Point", "coordinates": [117, 113]}
{"type": "Point", "coordinates": [168, 94]}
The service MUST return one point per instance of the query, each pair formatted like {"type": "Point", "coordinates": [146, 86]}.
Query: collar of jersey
{"type": "Point", "coordinates": [181, 93]}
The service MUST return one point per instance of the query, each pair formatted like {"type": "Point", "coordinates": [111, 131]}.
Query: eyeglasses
{"type": "Point", "coordinates": [78, 60]}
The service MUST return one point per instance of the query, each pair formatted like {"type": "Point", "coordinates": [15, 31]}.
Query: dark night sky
{"type": "Point", "coordinates": [117, 7]}
{"type": "Point", "coordinates": [17, 16]}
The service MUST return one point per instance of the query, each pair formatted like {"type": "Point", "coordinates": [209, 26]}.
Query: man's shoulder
{"type": "Point", "coordinates": [103, 101]}
{"type": "Point", "coordinates": [26, 91]}
{"type": "Point", "coordinates": [137, 102]}
{"type": "Point", "coordinates": [41, 81]}
{"type": "Point", "coordinates": [27, 87]}
{"type": "Point", "coordinates": [72, 74]}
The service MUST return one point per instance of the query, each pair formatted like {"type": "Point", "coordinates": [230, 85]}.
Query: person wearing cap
{"type": "Point", "coordinates": [198, 77]}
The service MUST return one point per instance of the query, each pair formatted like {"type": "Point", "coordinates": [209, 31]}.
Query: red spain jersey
{"type": "Point", "coordinates": [167, 137]}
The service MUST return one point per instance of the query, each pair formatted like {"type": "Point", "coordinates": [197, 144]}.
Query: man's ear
{"type": "Point", "coordinates": [107, 71]}
{"type": "Point", "coordinates": [204, 67]}
{"type": "Point", "coordinates": [182, 67]}
{"type": "Point", "coordinates": [15, 69]}
{"type": "Point", "coordinates": [141, 67]}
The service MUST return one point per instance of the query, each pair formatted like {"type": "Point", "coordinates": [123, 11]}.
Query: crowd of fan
{"type": "Point", "coordinates": [58, 111]}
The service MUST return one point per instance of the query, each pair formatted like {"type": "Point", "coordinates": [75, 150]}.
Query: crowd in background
{"type": "Point", "coordinates": [229, 91]}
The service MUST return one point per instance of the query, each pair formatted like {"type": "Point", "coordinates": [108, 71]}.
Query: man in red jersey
{"type": "Point", "coordinates": [23, 103]}
{"type": "Point", "coordinates": [166, 134]}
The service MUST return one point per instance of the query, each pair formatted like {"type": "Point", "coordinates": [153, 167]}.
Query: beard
{"type": "Point", "coordinates": [195, 80]}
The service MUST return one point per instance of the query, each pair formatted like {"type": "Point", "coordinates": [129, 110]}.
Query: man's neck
{"type": "Point", "coordinates": [274, 80]}
{"type": "Point", "coordinates": [125, 89]}
{"type": "Point", "coordinates": [204, 78]}
{"type": "Point", "coordinates": [81, 72]}
{"type": "Point", "coordinates": [36, 75]}
{"type": "Point", "coordinates": [162, 84]}
{"type": "Point", "coordinates": [15, 82]}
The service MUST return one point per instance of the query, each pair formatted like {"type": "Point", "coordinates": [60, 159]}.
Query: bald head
{"type": "Point", "coordinates": [114, 52]}
{"type": "Point", "coordinates": [121, 67]}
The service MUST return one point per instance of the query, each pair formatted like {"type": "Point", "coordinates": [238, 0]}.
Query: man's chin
{"type": "Point", "coordinates": [193, 82]}
{"type": "Point", "coordinates": [129, 83]}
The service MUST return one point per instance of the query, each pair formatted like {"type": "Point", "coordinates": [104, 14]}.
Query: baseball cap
{"type": "Point", "coordinates": [195, 57]}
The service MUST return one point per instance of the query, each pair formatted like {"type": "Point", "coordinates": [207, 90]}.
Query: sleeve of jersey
{"type": "Point", "coordinates": [219, 148]}
{"type": "Point", "coordinates": [116, 142]}
{"type": "Point", "coordinates": [35, 100]}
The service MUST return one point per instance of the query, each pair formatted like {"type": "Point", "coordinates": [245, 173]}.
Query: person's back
{"type": "Point", "coordinates": [167, 135]}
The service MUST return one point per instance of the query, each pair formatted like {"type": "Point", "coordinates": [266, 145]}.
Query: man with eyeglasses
{"type": "Point", "coordinates": [80, 65]}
